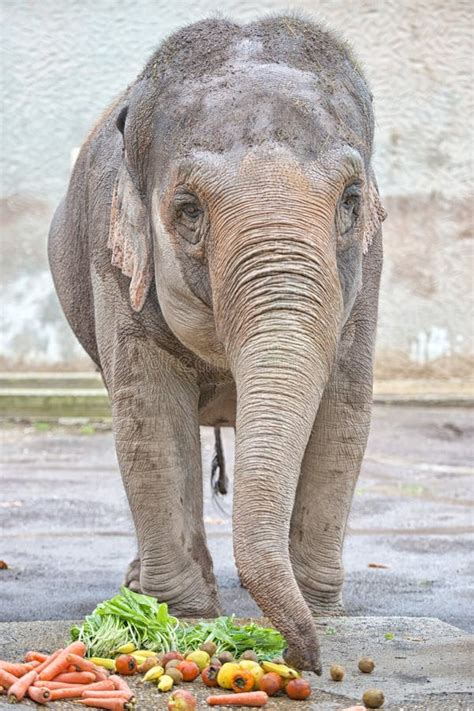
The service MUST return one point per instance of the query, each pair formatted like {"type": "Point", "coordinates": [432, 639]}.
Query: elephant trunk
{"type": "Point", "coordinates": [278, 308]}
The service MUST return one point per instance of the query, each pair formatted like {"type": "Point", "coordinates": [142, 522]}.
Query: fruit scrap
{"type": "Point", "coordinates": [126, 665]}
{"type": "Point", "coordinates": [225, 674]}
{"type": "Point", "coordinates": [281, 669]}
{"type": "Point", "coordinates": [373, 698]}
{"type": "Point", "coordinates": [242, 680]}
{"type": "Point", "coordinates": [165, 683]}
{"type": "Point", "coordinates": [298, 689]}
{"type": "Point", "coordinates": [209, 676]}
{"type": "Point", "coordinates": [154, 673]}
{"type": "Point", "coordinates": [182, 700]}
{"type": "Point", "coordinates": [337, 672]}
{"type": "Point", "coordinates": [250, 698]}
{"type": "Point", "coordinates": [189, 670]}
{"type": "Point", "coordinates": [366, 665]}
{"type": "Point", "coordinates": [271, 683]}
{"type": "Point", "coordinates": [199, 657]}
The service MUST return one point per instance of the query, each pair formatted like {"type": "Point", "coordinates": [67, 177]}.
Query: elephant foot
{"type": "Point", "coordinates": [323, 594]}
{"type": "Point", "coordinates": [132, 576]}
{"type": "Point", "coordinates": [327, 609]}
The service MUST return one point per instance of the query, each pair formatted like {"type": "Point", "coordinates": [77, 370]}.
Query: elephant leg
{"type": "Point", "coordinates": [329, 473]}
{"type": "Point", "coordinates": [155, 420]}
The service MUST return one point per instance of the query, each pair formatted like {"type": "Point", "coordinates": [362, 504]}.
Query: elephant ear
{"type": "Point", "coordinates": [375, 212]}
{"type": "Point", "coordinates": [129, 236]}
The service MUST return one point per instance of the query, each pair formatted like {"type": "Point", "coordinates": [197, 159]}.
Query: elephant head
{"type": "Point", "coordinates": [246, 193]}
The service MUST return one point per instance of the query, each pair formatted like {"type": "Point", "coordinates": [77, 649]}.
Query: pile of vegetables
{"type": "Point", "coordinates": [142, 621]}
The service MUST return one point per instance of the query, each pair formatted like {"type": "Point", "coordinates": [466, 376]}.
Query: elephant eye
{"type": "Point", "coordinates": [189, 216]}
{"type": "Point", "coordinates": [349, 208]}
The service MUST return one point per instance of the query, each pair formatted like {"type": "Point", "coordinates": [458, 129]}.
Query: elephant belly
{"type": "Point", "coordinates": [217, 405]}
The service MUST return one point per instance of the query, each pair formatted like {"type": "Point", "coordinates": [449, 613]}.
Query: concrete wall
{"type": "Point", "coordinates": [64, 60]}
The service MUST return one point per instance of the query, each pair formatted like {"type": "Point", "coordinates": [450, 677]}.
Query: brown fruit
{"type": "Point", "coordinates": [270, 683]}
{"type": "Point", "coordinates": [249, 654]}
{"type": "Point", "coordinates": [337, 672]}
{"type": "Point", "coordinates": [225, 657]}
{"type": "Point", "coordinates": [169, 656]}
{"type": "Point", "coordinates": [126, 665]}
{"type": "Point", "coordinates": [298, 689]}
{"type": "Point", "coordinates": [209, 647]}
{"type": "Point", "coordinates": [366, 665]}
{"type": "Point", "coordinates": [215, 662]}
{"type": "Point", "coordinates": [148, 664]}
{"type": "Point", "coordinates": [175, 674]}
{"type": "Point", "coordinates": [172, 664]}
{"type": "Point", "coordinates": [373, 698]}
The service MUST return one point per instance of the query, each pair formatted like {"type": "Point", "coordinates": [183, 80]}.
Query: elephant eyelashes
{"type": "Point", "coordinates": [189, 217]}
{"type": "Point", "coordinates": [349, 208]}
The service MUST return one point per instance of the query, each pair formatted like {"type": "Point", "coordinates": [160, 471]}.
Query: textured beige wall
{"type": "Point", "coordinates": [65, 60]}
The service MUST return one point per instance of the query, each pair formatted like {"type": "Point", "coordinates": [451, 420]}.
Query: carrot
{"type": "Point", "coordinates": [48, 660]}
{"type": "Point", "coordinates": [69, 692]}
{"type": "Point", "coordinates": [7, 679]}
{"type": "Point", "coordinates": [115, 694]}
{"type": "Point", "coordinates": [19, 669]}
{"type": "Point", "coordinates": [76, 677]}
{"type": "Point", "coordinates": [59, 664]}
{"type": "Point", "coordinates": [120, 683]}
{"type": "Point", "coordinates": [248, 698]}
{"type": "Point", "coordinates": [97, 686]}
{"type": "Point", "coordinates": [82, 664]}
{"type": "Point", "coordinates": [17, 690]}
{"type": "Point", "coordinates": [39, 696]}
{"type": "Point", "coordinates": [35, 657]}
{"type": "Point", "coordinates": [110, 704]}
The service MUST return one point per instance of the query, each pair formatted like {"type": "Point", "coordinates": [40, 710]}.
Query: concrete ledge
{"type": "Point", "coordinates": [424, 665]}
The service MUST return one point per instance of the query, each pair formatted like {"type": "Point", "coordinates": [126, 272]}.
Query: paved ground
{"type": "Point", "coordinates": [67, 536]}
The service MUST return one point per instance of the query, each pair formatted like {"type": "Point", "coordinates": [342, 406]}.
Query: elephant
{"type": "Point", "coordinates": [218, 256]}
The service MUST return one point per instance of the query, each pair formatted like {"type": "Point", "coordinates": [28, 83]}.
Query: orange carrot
{"type": "Point", "coordinates": [40, 696]}
{"type": "Point", "coordinates": [120, 683]}
{"type": "Point", "coordinates": [7, 679]}
{"type": "Point", "coordinates": [17, 690]}
{"type": "Point", "coordinates": [115, 694]}
{"type": "Point", "coordinates": [248, 698]}
{"type": "Point", "coordinates": [59, 664]}
{"type": "Point", "coordinates": [35, 657]}
{"type": "Point", "coordinates": [110, 704]}
{"type": "Point", "coordinates": [76, 677]}
{"type": "Point", "coordinates": [48, 660]}
{"type": "Point", "coordinates": [97, 686]}
{"type": "Point", "coordinates": [19, 669]}
{"type": "Point", "coordinates": [70, 692]}
{"type": "Point", "coordinates": [82, 664]}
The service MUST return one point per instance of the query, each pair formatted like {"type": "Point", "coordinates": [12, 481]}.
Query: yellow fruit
{"type": "Point", "coordinates": [226, 672]}
{"type": "Point", "coordinates": [153, 674]}
{"type": "Point", "coordinates": [145, 652]}
{"type": "Point", "coordinates": [281, 669]}
{"type": "Point", "coordinates": [199, 657]}
{"type": "Point", "coordinates": [103, 662]}
{"type": "Point", "coordinates": [126, 648]}
{"type": "Point", "coordinates": [254, 668]}
{"type": "Point", "coordinates": [166, 683]}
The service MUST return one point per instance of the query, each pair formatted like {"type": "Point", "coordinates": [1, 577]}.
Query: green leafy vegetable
{"type": "Point", "coordinates": [131, 617]}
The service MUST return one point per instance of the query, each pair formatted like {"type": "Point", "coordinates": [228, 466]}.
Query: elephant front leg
{"type": "Point", "coordinates": [155, 417]}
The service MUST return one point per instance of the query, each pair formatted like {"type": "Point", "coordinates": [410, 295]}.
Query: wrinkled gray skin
{"type": "Point", "coordinates": [218, 255]}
